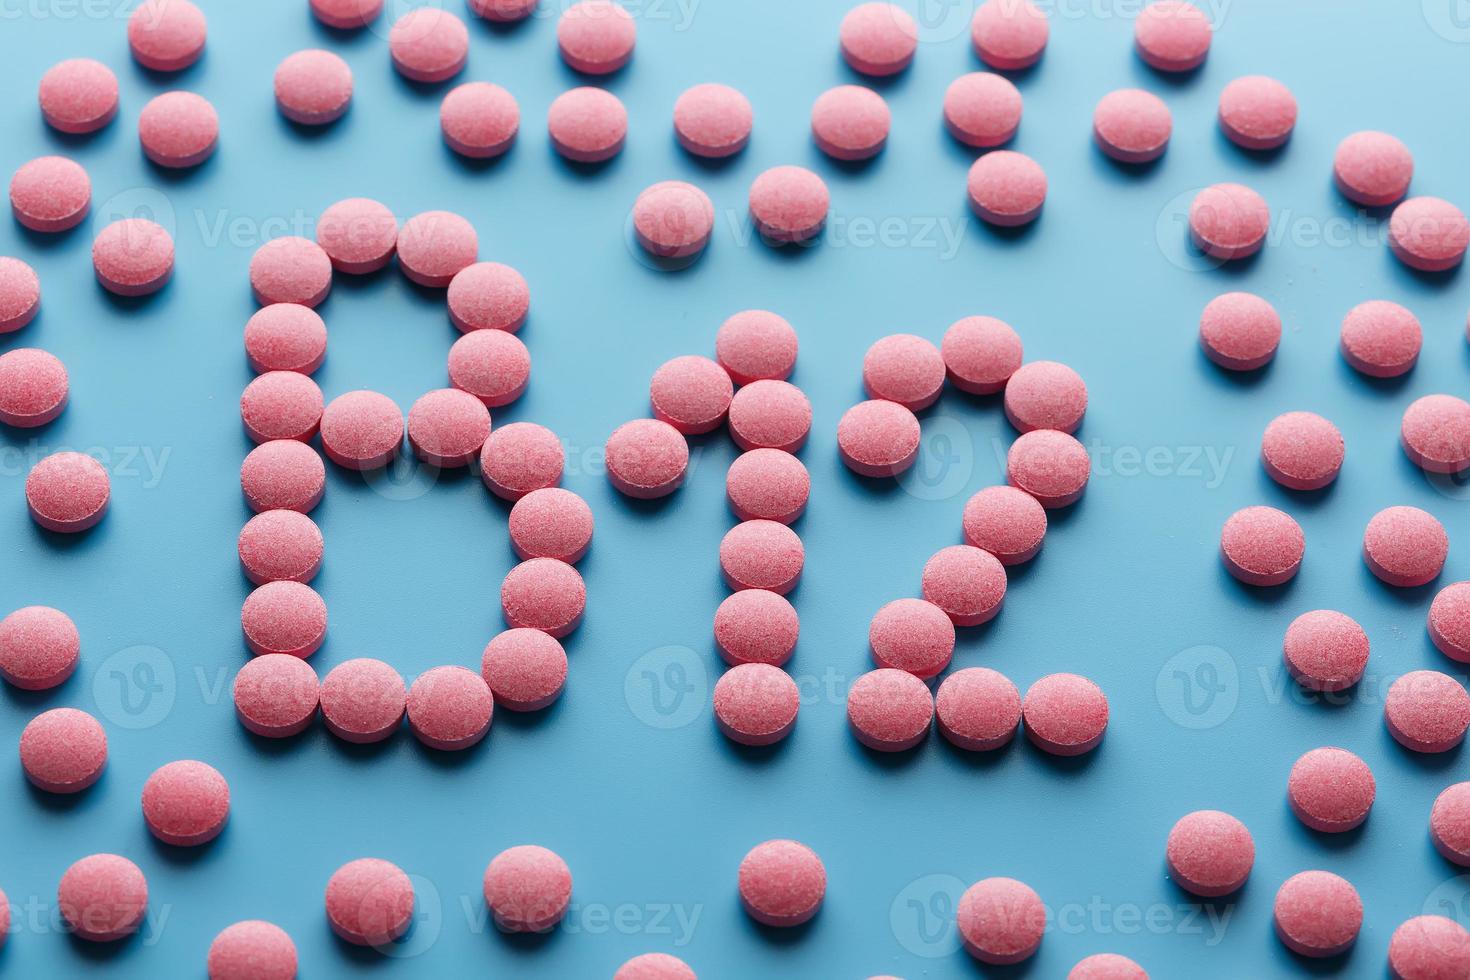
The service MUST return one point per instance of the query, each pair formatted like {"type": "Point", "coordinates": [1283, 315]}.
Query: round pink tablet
{"type": "Point", "coordinates": [1172, 35]}
{"type": "Point", "coordinates": [434, 246]}
{"type": "Point", "coordinates": [527, 888]}
{"type": "Point", "coordinates": [1449, 824]}
{"type": "Point", "coordinates": [768, 484]}
{"type": "Point", "coordinates": [1372, 169]}
{"type": "Point", "coordinates": [1051, 466]}
{"type": "Point", "coordinates": [1240, 331]}
{"type": "Point", "coordinates": [488, 296]}
{"type": "Point", "coordinates": [1325, 650]}
{"type": "Point", "coordinates": [63, 750]}
{"type": "Point", "coordinates": [1262, 546]}
{"type": "Point", "coordinates": [450, 708]}
{"type": "Point", "coordinates": [78, 95]}
{"type": "Point", "coordinates": [479, 120]}
{"type": "Point", "coordinates": [284, 617]}
{"type": "Point", "coordinates": [544, 594]}
{"type": "Point", "coordinates": [756, 345]}
{"type": "Point", "coordinates": [967, 583]}
{"type": "Point", "coordinates": [978, 709]}
{"type": "Point", "coordinates": [756, 704]}
{"type": "Point", "coordinates": [178, 129]}
{"type": "Point", "coordinates": [596, 37]}
{"type": "Point", "coordinates": [691, 393]}
{"type": "Point", "coordinates": [347, 15]}
{"type": "Point", "coordinates": [492, 365]}
{"type": "Point", "coordinates": [850, 122]}
{"type": "Point", "coordinates": [39, 648]}
{"type": "Point", "coordinates": [1001, 921]}
{"type": "Point", "coordinates": [1331, 790]}
{"type": "Point", "coordinates": [673, 219]}
{"type": "Point", "coordinates": [1381, 339]}
{"type": "Point", "coordinates": [290, 270]}
{"type": "Point", "coordinates": [647, 458]}
{"type": "Point", "coordinates": [713, 120]}
{"type": "Point", "coordinates": [429, 45]}
{"type": "Point", "coordinates": [313, 87]}
{"type": "Point", "coordinates": [167, 35]}
{"type": "Point", "coordinates": [1045, 395]}
{"type": "Point", "coordinates": [782, 883]}
{"type": "Point", "coordinates": [286, 337]}
{"type": "Point", "coordinates": [1229, 221]}
{"type": "Point", "coordinates": [878, 438]}
{"type": "Point", "coordinates": [280, 546]}
{"type": "Point", "coordinates": [525, 669]}
{"type": "Point", "coordinates": [252, 950]}
{"type": "Point", "coordinates": [551, 523]}
{"type": "Point", "coordinates": [522, 457]}
{"type": "Point", "coordinates": [1302, 451]}
{"type": "Point", "coordinates": [1405, 546]}
{"type": "Point", "coordinates": [1435, 433]}
{"type": "Point", "coordinates": [982, 109]}
{"type": "Point", "coordinates": [587, 125]}
{"type": "Point", "coordinates": [905, 369]}
{"type": "Point", "coordinates": [448, 427]}
{"type": "Point", "coordinates": [276, 696]}
{"type": "Point", "coordinates": [1009, 34]}
{"type": "Point", "coordinates": [133, 257]}
{"type": "Point", "coordinates": [1210, 853]}
{"type": "Point", "coordinates": [1427, 711]}
{"type": "Point", "coordinates": [770, 414]}
{"type": "Point", "coordinates": [186, 803]}
{"type": "Point", "coordinates": [68, 492]}
{"type": "Point", "coordinates": [281, 405]}
{"type": "Point", "coordinates": [889, 710]}
{"type": "Point", "coordinates": [1428, 233]}
{"type": "Point", "coordinates": [1007, 522]}
{"type": "Point", "coordinates": [1065, 714]}
{"type": "Point", "coordinates": [1132, 126]}
{"type": "Point", "coordinates": [980, 354]}
{"type": "Point", "coordinates": [370, 901]}
{"type": "Point", "coordinates": [20, 294]}
{"type": "Point", "coordinates": [878, 38]}
{"type": "Point", "coordinates": [503, 11]}
{"type": "Point", "coordinates": [1449, 621]}
{"type": "Point", "coordinates": [1007, 188]}
{"type": "Point", "coordinates": [762, 555]}
{"type": "Point", "coordinates": [283, 475]}
{"type": "Point", "coordinates": [362, 430]}
{"type": "Point", "coordinates": [655, 966]}
{"type": "Point", "coordinates": [33, 387]}
{"type": "Point", "coordinates": [756, 626]}
{"type": "Point", "coordinates": [1429, 947]}
{"type": "Point", "coordinates": [1107, 966]}
{"type": "Point", "coordinates": [103, 897]}
{"type": "Point", "coordinates": [788, 205]}
{"type": "Point", "coordinates": [912, 635]}
{"type": "Point", "coordinates": [358, 234]}
{"type": "Point", "coordinates": [363, 700]}
{"type": "Point", "coordinates": [1257, 112]}
{"type": "Point", "coordinates": [1318, 914]}
{"type": "Point", "coordinates": [50, 194]}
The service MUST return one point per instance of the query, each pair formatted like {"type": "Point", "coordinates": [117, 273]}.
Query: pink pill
{"type": "Point", "coordinates": [286, 337]}
{"type": "Point", "coordinates": [1210, 853]}
{"type": "Point", "coordinates": [1302, 451]}
{"type": "Point", "coordinates": [449, 708]}
{"type": "Point", "coordinates": [878, 438]}
{"type": "Point", "coordinates": [1172, 36]}
{"type": "Point", "coordinates": [63, 750]}
{"type": "Point", "coordinates": [982, 109]}
{"type": "Point", "coordinates": [33, 387]}
{"type": "Point", "coordinates": [756, 626]}
{"type": "Point", "coordinates": [673, 219]}
{"type": "Point", "coordinates": [655, 966]}
{"type": "Point", "coordinates": [1132, 126]}
{"type": "Point", "coordinates": [1001, 921]}
{"type": "Point", "coordinates": [1449, 621]}
{"type": "Point", "coordinates": [281, 546]}
{"type": "Point", "coordinates": [1372, 169]}
{"type": "Point", "coordinates": [281, 405]}
{"type": "Point", "coordinates": [20, 294]}
{"type": "Point", "coordinates": [186, 803]}
{"type": "Point", "coordinates": [178, 129]}
{"type": "Point", "coordinates": [429, 45]}
{"type": "Point", "coordinates": [525, 669]}
{"type": "Point", "coordinates": [1051, 466]}
{"type": "Point", "coordinates": [1331, 790]}
{"type": "Point", "coordinates": [369, 901]}
{"type": "Point", "coordinates": [756, 704]}
{"type": "Point", "coordinates": [1429, 947]}
{"type": "Point", "coordinates": [713, 120]}
{"type": "Point", "coordinates": [448, 427]}
{"type": "Point", "coordinates": [1007, 522]}
{"type": "Point", "coordinates": [527, 889]}
{"type": "Point", "coordinates": [347, 15]}
{"type": "Point", "coordinates": [284, 617]}
{"type": "Point", "coordinates": [133, 257]}
{"type": "Point", "coordinates": [1262, 546]}
{"type": "Point", "coordinates": [1107, 966]}
{"type": "Point", "coordinates": [878, 38]}
{"type": "Point", "coordinates": [434, 246]}
{"type": "Point", "coordinates": [503, 11]}
{"type": "Point", "coordinates": [1381, 339]}
{"type": "Point", "coordinates": [980, 354]}
{"type": "Point", "coordinates": [362, 430]}
{"type": "Point", "coordinates": [39, 648]}
{"type": "Point", "coordinates": [905, 369]}
{"type": "Point", "coordinates": [587, 125]}
{"type": "Point", "coordinates": [889, 710]}
{"type": "Point", "coordinates": [1429, 234]}
{"type": "Point", "coordinates": [912, 635]}
{"type": "Point", "coordinates": [544, 594]}
{"type": "Point", "coordinates": [290, 270]}
{"type": "Point", "coordinates": [167, 35]}
{"type": "Point", "coordinates": [492, 365]}
{"type": "Point", "coordinates": [1240, 331]}
{"type": "Point", "coordinates": [1007, 188]}
{"type": "Point", "coordinates": [103, 897]}
{"type": "Point", "coordinates": [788, 205]}
{"type": "Point", "coordinates": [1318, 914]}
{"type": "Point", "coordinates": [78, 95]}
{"type": "Point", "coordinates": [479, 120]}
{"type": "Point", "coordinates": [1045, 395]}
{"type": "Point", "coordinates": [313, 87]}
{"type": "Point", "coordinates": [551, 523]}
{"type": "Point", "coordinates": [691, 393]}
{"type": "Point", "coordinates": [596, 37]}
{"type": "Point", "coordinates": [770, 414]}
{"type": "Point", "coordinates": [358, 234]}
{"type": "Point", "coordinates": [488, 296]}
{"type": "Point", "coordinates": [252, 950]}
{"type": "Point", "coordinates": [1009, 34]}
{"type": "Point", "coordinates": [1405, 546]}
{"type": "Point", "coordinates": [1449, 824]}
{"type": "Point", "coordinates": [978, 709]}
{"type": "Point", "coordinates": [283, 475]}
{"type": "Point", "coordinates": [1229, 221]}
{"type": "Point", "coordinates": [762, 555]}
{"type": "Point", "coordinates": [756, 345]}
{"type": "Point", "coordinates": [1435, 433]}
{"type": "Point", "coordinates": [276, 696]}
{"type": "Point", "coordinates": [1065, 714]}
{"type": "Point", "coordinates": [1427, 711]}
{"type": "Point", "coordinates": [68, 492]}
{"type": "Point", "coordinates": [967, 583]}
{"type": "Point", "coordinates": [647, 459]}
{"type": "Point", "coordinates": [1325, 650]}
{"type": "Point", "coordinates": [850, 122]}
{"type": "Point", "coordinates": [50, 194]}
{"type": "Point", "coordinates": [522, 457]}
{"type": "Point", "coordinates": [1257, 112]}
{"type": "Point", "coordinates": [768, 484]}
{"type": "Point", "coordinates": [363, 700]}
{"type": "Point", "coordinates": [782, 883]}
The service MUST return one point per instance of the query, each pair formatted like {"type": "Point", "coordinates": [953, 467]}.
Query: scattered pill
{"type": "Point", "coordinates": [362, 430]}
{"type": "Point", "coordinates": [1405, 546]}
{"type": "Point", "coordinates": [20, 294]}
{"type": "Point", "coordinates": [756, 626]}
{"type": "Point", "coordinates": [967, 583]}
{"type": "Point", "coordinates": [1372, 169]}
{"type": "Point", "coordinates": [655, 966]}
{"type": "Point", "coordinates": [448, 427]}
{"type": "Point", "coordinates": [492, 365]}
{"type": "Point", "coordinates": [551, 523]}
{"type": "Point", "coordinates": [912, 635]}
{"type": "Point", "coordinates": [1001, 921]}
{"type": "Point", "coordinates": [281, 546]}
{"type": "Point", "coordinates": [756, 704]}
{"type": "Point", "coordinates": [276, 696]}
{"type": "Point", "coordinates": [1428, 233]}
{"type": "Point", "coordinates": [1318, 914]}
{"type": "Point", "coordinates": [712, 120]}
{"type": "Point", "coordinates": [587, 125]}
{"type": "Point", "coordinates": [1435, 434]}
{"type": "Point", "coordinates": [1331, 790]}
{"type": "Point", "coordinates": [167, 35]}
{"type": "Point", "coordinates": [768, 484]}
{"type": "Point", "coordinates": [525, 669]}
{"type": "Point", "coordinates": [450, 708]}
{"type": "Point", "coordinates": [33, 387]}
{"type": "Point", "coordinates": [39, 648]}
{"type": "Point", "coordinates": [284, 617]}
{"type": "Point", "coordinates": [877, 438]}
{"type": "Point", "coordinates": [522, 457]}
{"type": "Point", "coordinates": [1007, 522]}
{"type": "Point", "coordinates": [980, 354]}
{"type": "Point", "coordinates": [347, 15]}
{"type": "Point", "coordinates": [429, 45]}
{"type": "Point", "coordinates": [1302, 451]}
{"type": "Point", "coordinates": [479, 120]}
{"type": "Point", "coordinates": [281, 405]}
{"type": "Point", "coordinates": [1449, 621]}
{"type": "Point", "coordinates": [285, 337]}
{"type": "Point", "coordinates": [673, 219]}
{"type": "Point", "coordinates": [789, 205]}
{"type": "Point", "coordinates": [1257, 112]}
{"type": "Point", "coordinates": [1007, 188]}
{"type": "Point", "coordinates": [1107, 966]}
{"type": "Point", "coordinates": [544, 594]}
{"type": "Point", "coordinates": [1051, 466]}
{"type": "Point", "coordinates": [889, 710]}
{"type": "Point", "coordinates": [1172, 36]}
{"type": "Point", "coordinates": [358, 234]}
{"type": "Point", "coordinates": [906, 369]}
{"type": "Point", "coordinates": [503, 11]}
{"type": "Point", "coordinates": [769, 414]}
{"type": "Point", "coordinates": [186, 803]}
{"type": "Point", "coordinates": [252, 950]}
{"type": "Point", "coordinates": [313, 87]}
{"type": "Point", "coordinates": [68, 492]}
{"type": "Point", "coordinates": [1429, 947]}
{"type": "Point", "coordinates": [1240, 331]}
{"type": "Point", "coordinates": [50, 194]}
{"type": "Point", "coordinates": [1427, 711]}
{"type": "Point", "coordinates": [363, 700]}
{"type": "Point", "coordinates": [63, 750]}
{"type": "Point", "coordinates": [283, 475]}
{"type": "Point", "coordinates": [434, 246]}
{"type": "Point", "coordinates": [1132, 126]}
{"type": "Point", "coordinates": [1229, 221]}
{"type": "Point", "coordinates": [1262, 546]}
{"type": "Point", "coordinates": [527, 889]}
{"type": "Point", "coordinates": [78, 96]}
{"type": "Point", "coordinates": [647, 458]}
{"type": "Point", "coordinates": [982, 109]}
{"type": "Point", "coordinates": [369, 901]}
{"type": "Point", "coordinates": [290, 270]}
{"type": "Point", "coordinates": [103, 897]}
{"type": "Point", "coordinates": [1381, 339]}
{"type": "Point", "coordinates": [1009, 34]}
{"type": "Point", "coordinates": [1449, 824]}
{"type": "Point", "coordinates": [1325, 650]}
{"type": "Point", "coordinates": [133, 257]}
{"type": "Point", "coordinates": [878, 38]}
{"type": "Point", "coordinates": [178, 129]}
{"type": "Point", "coordinates": [1045, 395]}
{"type": "Point", "coordinates": [850, 122]}
{"type": "Point", "coordinates": [782, 883]}
{"type": "Point", "coordinates": [1065, 714]}
{"type": "Point", "coordinates": [1210, 853]}
{"type": "Point", "coordinates": [691, 393]}
{"type": "Point", "coordinates": [488, 296]}
{"type": "Point", "coordinates": [762, 555]}
{"type": "Point", "coordinates": [596, 37]}
{"type": "Point", "coordinates": [978, 709]}
{"type": "Point", "coordinates": [756, 345]}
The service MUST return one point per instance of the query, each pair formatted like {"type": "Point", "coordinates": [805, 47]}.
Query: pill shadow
{"type": "Point", "coordinates": [169, 79]}
{"type": "Point", "coordinates": [710, 165]}
{"type": "Point", "coordinates": [64, 802]}
{"type": "Point", "coordinates": [1023, 969]}
{"type": "Point", "coordinates": [1413, 597]}
{"type": "Point", "coordinates": [881, 759]}
{"type": "Point", "coordinates": [1434, 280]}
{"type": "Point", "coordinates": [580, 168]}
{"type": "Point", "coordinates": [381, 955]}
{"type": "Point", "coordinates": [91, 539]}
{"type": "Point", "coordinates": [190, 856]}
{"type": "Point", "coordinates": [1324, 839]}
{"type": "Point", "coordinates": [1434, 762]}
{"type": "Point", "coordinates": [526, 942]}
{"type": "Point", "coordinates": [345, 37]}
{"type": "Point", "coordinates": [51, 241]}
{"type": "Point", "coordinates": [311, 133]}
{"type": "Point", "coordinates": [129, 304]}
{"type": "Point", "coordinates": [775, 935]}
{"type": "Point", "coordinates": [1271, 155]}
{"type": "Point", "coordinates": [1217, 908]}
{"type": "Point", "coordinates": [1261, 594]}
{"type": "Point", "coordinates": [179, 175]}
{"type": "Point", "coordinates": [978, 761]}
{"type": "Point", "coordinates": [755, 754]}
{"type": "Point", "coordinates": [889, 85]}
{"type": "Point", "coordinates": [1310, 964]}
{"type": "Point", "coordinates": [1289, 498]}
{"type": "Point", "coordinates": [1011, 233]}
{"type": "Point", "coordinates": [1129, 170]}
{"type": "Point", "coordinates": [1065, 765]}
{"type": "Point", "coordinates": [100, 952]}
{"type": "Point", "coordinates": [526, 720]}
{"type": "Point", "coordinates": [478, 165]}
{"type": "Point", "coordinates": [291, 745]}
{"type": "Point", "coordinates": [1385, 387]}
{"type": "Point", "coordinates": [1228, 378]}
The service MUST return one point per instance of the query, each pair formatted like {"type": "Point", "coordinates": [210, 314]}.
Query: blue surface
{"type": "Point", "coordinates": [626, 777]}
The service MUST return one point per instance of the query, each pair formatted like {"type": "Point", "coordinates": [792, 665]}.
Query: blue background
{"type": "Point", "coordinates": [627, 777]}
